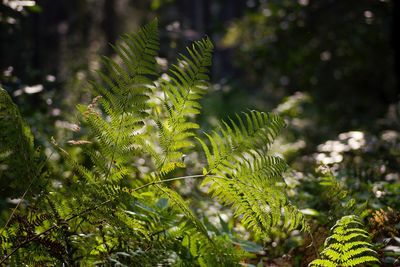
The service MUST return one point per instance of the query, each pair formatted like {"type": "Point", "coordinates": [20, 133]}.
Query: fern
{"type": "Point", "coordinates": [112, 210]}
{"type": "Point", "coordinates": [348, 245]}
{"type": "Point", "coordinates": [242, 175]}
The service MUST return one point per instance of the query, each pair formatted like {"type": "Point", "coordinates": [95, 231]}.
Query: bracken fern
{"type": "Point", "coordinates": [110, 211]}
{"type": "Point", "coordinates": [348, 245]}
{"type": "Point", "coordinates": [242, 174]}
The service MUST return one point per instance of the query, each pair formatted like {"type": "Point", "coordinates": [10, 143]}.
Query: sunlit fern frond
{"type": "Point", "coordinates": [253, 131]}
{"type": "Point", "coordinates": [116, 117]}
{"type": "Point", "coordinates": [241, 174]}
{"type": "Point", "coordinates": [187, 83]}
{"type": "Point", "coordinates": [348, 245]}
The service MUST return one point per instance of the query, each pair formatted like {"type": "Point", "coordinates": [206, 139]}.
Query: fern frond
{"type": "Point", "coordinates": [255, 132]}
{"type": "Point", "coordinates": [349, 245]}
{"type": "Point", "coordinates": [188, 82]}
{"type": "Point", "coordinates": [242, 175]}
{"type": "Point", "coordinates": [124, 93]}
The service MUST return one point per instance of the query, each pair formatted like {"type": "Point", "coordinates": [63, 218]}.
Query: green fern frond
{"type": "Point", "coordinates": [242, 175]}
{"type": "Point", "coordinates": [349, 245]}
{"type": "Point", "coordinates": [124, 93]}
{"type": "Point", "coordinates": [256, 131]}
{"type": "Point", "coordinates": [188, 82]}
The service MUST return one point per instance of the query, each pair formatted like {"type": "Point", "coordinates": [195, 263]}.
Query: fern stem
{"type": "Point", "coordinates": [168, 180]}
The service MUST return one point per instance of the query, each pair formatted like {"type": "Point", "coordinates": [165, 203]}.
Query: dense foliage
{"type": "Point", "coordinates": [158, 165]}
{"type": "Point", "coordinates": [120, 206]}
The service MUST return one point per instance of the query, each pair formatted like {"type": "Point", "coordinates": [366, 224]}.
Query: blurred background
{"type": "Point", "coordinates": [327, 66]}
